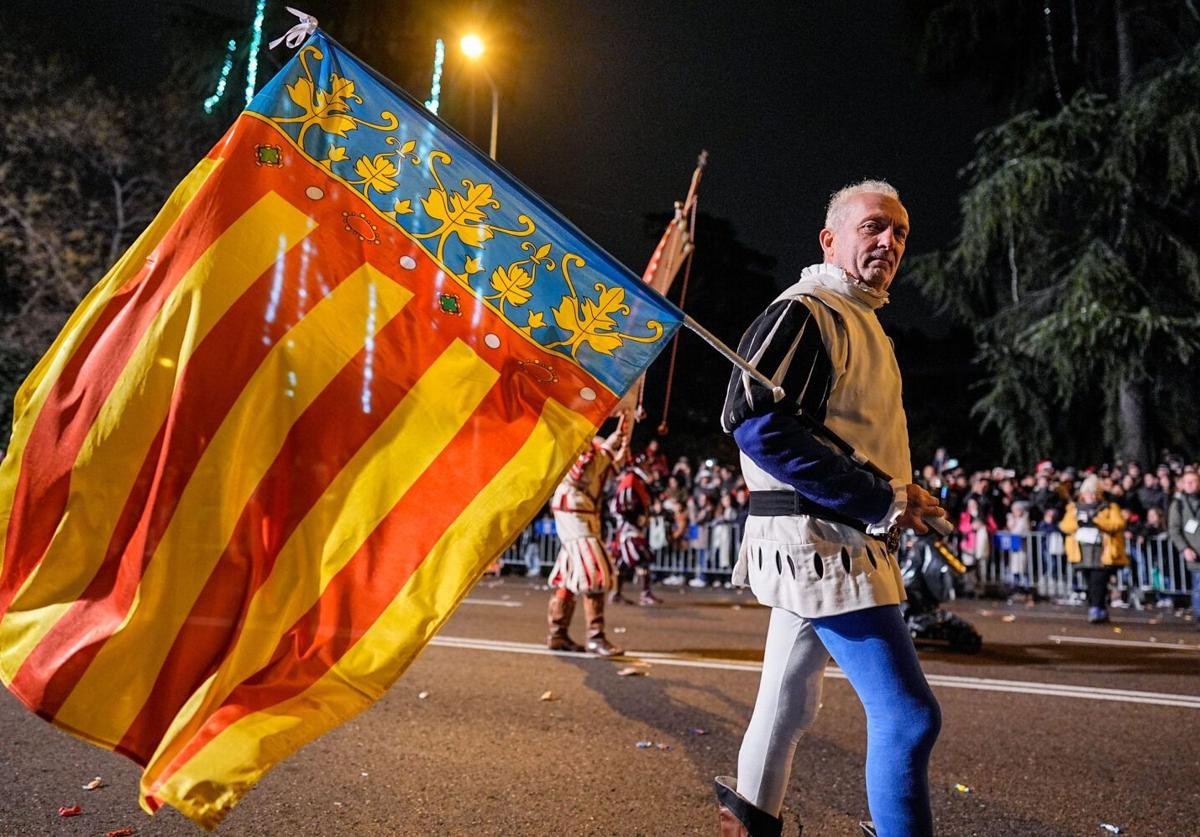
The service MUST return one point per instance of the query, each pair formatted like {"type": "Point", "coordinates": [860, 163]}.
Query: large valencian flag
{"type": "Point", "coordinates": [277, 444]}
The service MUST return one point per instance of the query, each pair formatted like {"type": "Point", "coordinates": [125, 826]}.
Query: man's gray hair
{"type": "Point", "coordinates": [837, 204]}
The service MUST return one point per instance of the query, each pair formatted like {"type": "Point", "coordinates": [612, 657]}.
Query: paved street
{"type": "Point", "coordinates": [1056, 728]}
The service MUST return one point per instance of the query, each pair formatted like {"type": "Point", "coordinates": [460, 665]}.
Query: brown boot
{"type": "Point", "coordinates": [646, 598]}
{"type": "Point", "coordinates": [738, 817]}
{"type": "Point", "coordinates": [615, 596]}
{"type": "Point", "coordinates": [597, 643]}
{"type": "Point", "coordinates": [559, 616]}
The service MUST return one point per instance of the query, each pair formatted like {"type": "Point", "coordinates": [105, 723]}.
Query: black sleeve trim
{"type": "Point", "coordinates": [785, 344]}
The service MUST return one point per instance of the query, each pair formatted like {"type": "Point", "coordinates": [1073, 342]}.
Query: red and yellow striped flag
{"type": "Point", "coordinates": [278, 443]}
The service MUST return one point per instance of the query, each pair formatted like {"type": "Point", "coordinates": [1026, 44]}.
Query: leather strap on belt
{"type": "Point", "coordinates": [783, 503]}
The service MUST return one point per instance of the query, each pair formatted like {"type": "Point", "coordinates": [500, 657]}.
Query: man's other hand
{"type": "Point", "coordinates": [921, 504]}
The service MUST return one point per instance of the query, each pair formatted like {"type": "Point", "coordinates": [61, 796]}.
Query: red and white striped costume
{"type": "Point", "coordinates": [583, 565]}
{"type": "Point", "coordinates": [631, 505]}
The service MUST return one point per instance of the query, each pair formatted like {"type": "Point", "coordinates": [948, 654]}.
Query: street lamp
{"type": "Point", "coordinates": [472, 47]}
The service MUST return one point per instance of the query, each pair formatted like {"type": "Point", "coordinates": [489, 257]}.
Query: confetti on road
{"type": "Point", "coordinates": [1110, 828]}
{"type": "Point", "coordinates": [644, 745]}
{"type": "Point", "coordinates": [631, 671]}
{"type": "Point", "coordinates": [94, 784]}
{"type": "Point", "coordinates": [961, 788]}
{"type": "Point", "coordinates": [548, 695]}
{"type": "Point", "coordinates": [662, 746]}
{"type": "Point", "coordinates": [120, 832]}
{"type": "Point", "coordinates": [698, 731]}
{"type": "Point", "coordinates": [618, 630]}
{"type": "Point", "coordinates": [1008, 617]}
{"type": "Point", "coordinates": [422, 695]}
{"type": "Point", "coordinates": [73, 811]}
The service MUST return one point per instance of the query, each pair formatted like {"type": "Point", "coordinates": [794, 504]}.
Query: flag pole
{"type": "Point", "coordinates": [733, 357]}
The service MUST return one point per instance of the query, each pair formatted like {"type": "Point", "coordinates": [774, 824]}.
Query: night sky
{"type": "Point", "coordinates": [611, 101]}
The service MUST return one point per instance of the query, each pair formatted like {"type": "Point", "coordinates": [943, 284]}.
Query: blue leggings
{"type": "Point", "coordinates": [874, 649]}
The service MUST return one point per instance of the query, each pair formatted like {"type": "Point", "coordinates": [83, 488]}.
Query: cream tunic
{"type": "Point", "coordinates": [814, 567]}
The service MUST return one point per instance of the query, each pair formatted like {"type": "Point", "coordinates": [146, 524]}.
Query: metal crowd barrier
{"type": "Point", "coordinates": [1037, 563]}
{"type": "Point", "coordinates": [709, 552]}
{"type": "Point", "coordinates": [1014, 564]}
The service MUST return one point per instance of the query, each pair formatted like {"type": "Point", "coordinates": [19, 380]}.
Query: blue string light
{"type": "Point", "coordinates": [255, 42]}
{"type": "Point", "coordinates": [211, 101]}
{"type": "Point", "coordinates": [435, 89]}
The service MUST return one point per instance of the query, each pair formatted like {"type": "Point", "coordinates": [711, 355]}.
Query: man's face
{"type": "Point", "coordinates": [1189, 483]}
{"type": "Point", "coordinates": [869, 240]}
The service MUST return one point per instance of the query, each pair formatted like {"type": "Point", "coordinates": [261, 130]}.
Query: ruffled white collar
{"type": "Point", "coordinates": [838, 280]}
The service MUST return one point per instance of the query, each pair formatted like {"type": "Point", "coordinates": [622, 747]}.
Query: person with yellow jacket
{"type": "Point", "coordinates": [1095, 543]}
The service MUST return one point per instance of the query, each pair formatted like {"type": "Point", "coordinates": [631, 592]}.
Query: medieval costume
{"type": "Point", "coordinates": [583, 567]}
{"type": "Point", "coordinates": [630, 545]}
{"type": "Point", "coordinates": [814, 549]}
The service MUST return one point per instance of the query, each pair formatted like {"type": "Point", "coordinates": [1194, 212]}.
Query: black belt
{"type": "Point", "coordinates": [783, 503]}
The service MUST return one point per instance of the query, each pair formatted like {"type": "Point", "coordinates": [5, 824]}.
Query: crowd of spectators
{"type": "Point", "coordinates": [702, 506]}
{"type": "Point", "coordinates": [984, 503]}
{"type": "Point", "coordinates": [702, 509]}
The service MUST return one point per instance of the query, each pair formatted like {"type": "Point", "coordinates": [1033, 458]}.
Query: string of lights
{"type": "Point", "coordinates": [255, 42]}
{"type": "Point", "coordinates": [212, 101]}
{"type": "Point", "coordinates": [435, 88]}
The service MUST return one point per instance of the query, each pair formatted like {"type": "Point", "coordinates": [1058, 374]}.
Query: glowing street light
{"type": "Point", "coordinates": [472, 47]}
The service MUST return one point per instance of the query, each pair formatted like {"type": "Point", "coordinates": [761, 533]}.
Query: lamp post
{"type": "Point", "coordinates": [472, 47]}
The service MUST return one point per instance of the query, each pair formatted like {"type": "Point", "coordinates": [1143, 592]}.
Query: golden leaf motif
{"type": "Point", "coordinates": [472, 266]}
{"type": "Point", "coordinates": [536, 320]}
{"type": "Point", "coordinates": [592, 322]}
{"type": "Point", "coordinates": [329, 108]}
{"type": "Point", "coordinates": [336, 154]}
{"type": "Point", "coordinates": [510, 284]}
{"type": "Point", "coordinates": [408, 147]}
{"type": "Point", "coordinates": [376, 173]}
{"type": "Point", "coordinates": [463, 214]}
{"type": "Point", "coordinates": [326, 108]}
{"type": "Point", "coordinates": [402, 207]}
{"type": "Point", "coordinates": [542, 252]}
{"type": "Point", "coordinates": [301, 93]}
{"type": "Point", "coordinates": [334, 99]}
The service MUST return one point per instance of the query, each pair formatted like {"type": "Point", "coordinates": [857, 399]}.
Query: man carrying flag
{"type": "Point", "coordinates": [817, 549]}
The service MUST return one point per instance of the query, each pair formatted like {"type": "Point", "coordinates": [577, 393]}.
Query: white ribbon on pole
{"type": "Point", "coordinates": [296, 35]}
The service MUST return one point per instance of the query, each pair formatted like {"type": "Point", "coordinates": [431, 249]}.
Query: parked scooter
{"type": "Point", "coordinates": [929, 569]}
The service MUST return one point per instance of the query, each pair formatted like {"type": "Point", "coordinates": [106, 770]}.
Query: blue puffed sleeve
{"type": "Point", "coordinates": [783, 447]}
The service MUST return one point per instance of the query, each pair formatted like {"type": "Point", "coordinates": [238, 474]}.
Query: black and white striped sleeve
{"type": "Point", "coordinates": [785, 344]}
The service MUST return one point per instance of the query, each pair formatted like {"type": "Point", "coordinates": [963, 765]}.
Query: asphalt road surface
{"type": "Point", "coordinates": [1055, 728]}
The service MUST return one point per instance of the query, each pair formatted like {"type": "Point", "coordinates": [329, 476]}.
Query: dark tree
{"type": "Point", "coordinates": [1078, 260]}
